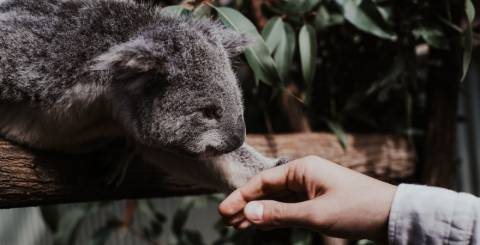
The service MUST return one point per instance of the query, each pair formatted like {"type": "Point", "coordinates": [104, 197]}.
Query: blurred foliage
{"type": "Point", "coordinates": [68, 220]}
{"type": "Point", "coordinates": [359, 65]}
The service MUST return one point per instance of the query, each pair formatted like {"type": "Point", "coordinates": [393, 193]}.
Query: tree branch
{"type": "Point", "coordinates": [29, 177]}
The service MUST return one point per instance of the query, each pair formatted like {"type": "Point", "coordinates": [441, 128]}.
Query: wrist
{"type": "Point", "coordinates": [380, 234]}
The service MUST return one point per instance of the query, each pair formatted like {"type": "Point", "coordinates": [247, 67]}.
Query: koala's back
{"type": "Point", "coordinates": [45, 49]}
{"type": "Point", "coordinates": [45, 45]}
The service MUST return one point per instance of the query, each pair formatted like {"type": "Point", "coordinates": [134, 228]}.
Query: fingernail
{"type": "Point", "coordinates": [254, 211]}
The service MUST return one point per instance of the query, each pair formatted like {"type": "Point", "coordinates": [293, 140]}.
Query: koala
{"type": "Point", "coordinates": [79, 76]}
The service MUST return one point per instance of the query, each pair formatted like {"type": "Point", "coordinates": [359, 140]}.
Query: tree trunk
{"type": "Point", "coordinates": [439, 166]}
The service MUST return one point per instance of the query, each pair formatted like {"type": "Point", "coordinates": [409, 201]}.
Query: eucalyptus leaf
{"type": "Point", "coordinates": [51, 216]}
{"type": "Point", "coordinates": [338, 130]}
{"type": "Point", "coordinates": [467, 38]}
{"type": "Point", "coordinates": [273, 32]}
{"type": "Point", "coordinates": [175, 10]}
{"type": "Point", "coordinates": [146, 208]}
{"type": "Point", "coordinates": [386, 12]}
{"type": "Point", "coordinates": [301, 237]}
{"type": "Point", "coordinates": [432, 34]}
{"type": "Point", "coordinates": [324, 19]}
{"type": "Point", "coordinates": [181, 215]}
{"type": "Point", "coordinates": [216, 198]}
{"type": "Point", "coordinates": [258, 54]}
{"type": "Point", "coordinates": [307, 43]}
{"type": "Point", "coordinates": [202, 11]}
{"type": "Point", "coordinates": [68, 225]}
{"type": "Point", "coordinates": [297, 7]}
{"type": "Point", "coordinates": [284, 55]}
{"type": "Point", "coordinates": [100, 237]}
{"type": "Point", "coordinates": [365, 242]}
{"type": "Point", "coordinates": [469, 10]}
{"type": "Point", "coordinates": [155, 218]}
{"type": "Point", "coordinates": [308, 5]}
{"type": "Point", "coordinates": [192, 237]}
{"type": "Point", "coordinates": [365, 15]}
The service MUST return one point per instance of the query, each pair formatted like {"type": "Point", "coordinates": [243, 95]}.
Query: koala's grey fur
{"type": "Point", "coordinates": [76, 74]}
{"type": "Point", "coordinates": [224, 172]}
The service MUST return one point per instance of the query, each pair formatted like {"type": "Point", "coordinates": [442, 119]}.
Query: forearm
{"type": "Point", "coordinates": [429, 215]}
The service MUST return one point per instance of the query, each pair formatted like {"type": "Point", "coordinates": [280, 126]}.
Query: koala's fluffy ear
{"type": "Point", "coordinates": [235, 43]}
{"type": "Point", "coordinates": [132, 56]}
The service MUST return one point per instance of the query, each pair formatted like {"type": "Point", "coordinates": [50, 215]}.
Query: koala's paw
{"type": "Point", "coordinates": [282, 161]}
{"type": "Point", "coordinates": [114, 160]}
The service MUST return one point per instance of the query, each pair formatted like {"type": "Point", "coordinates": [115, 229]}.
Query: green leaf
{"type": "Point", "coordinates": [257, 54]}
{"type": "Point", "coordinates": [307, 5]}
{"type": "Point", "coordinates": [469, 10]}
{"type": "Point", "coordinates": [273, 32]}
{"type": "Point", "coordinates": [433, 35]}
{"type": "Point", "coordinates": [467, 38]}
{"type": "Point", "coordinates": [193, 237]}
{"type": "Point", "coordinates": [146, 207]}
{"type": "Point", "coordinates": [202, 11]}
{"type": "Point", "coordinates": [175, 10]}
{"type": "Point", "coordinates": [467, 50]}
{"type": "Point", "coordinates": [297, 7]}
{"type": "Point", "coordinates": [301, 237]}
{"type": "Point", "coordinates": [68, 225]}
{"type": "Point", "coordinates": [100, 237]}
{"type": "Point", "coordinates": [51, 216]}
{"type": "Point", "coordinates": [307, 43]}
{"type": "Point", "coordinates": [337, 129]}
{"type": "Point", "coordinates": [181, 215]}
{"type": "Point", "coordinates": [286, 49]}
{"type": "Point", "coordinates": [155, 219]}
{"type": "Point", "coordinates": [365, 15]}
{"type": "Point", "coordinates": [324, 19]}
{"type": "Point", "coordinates": [365, 242]}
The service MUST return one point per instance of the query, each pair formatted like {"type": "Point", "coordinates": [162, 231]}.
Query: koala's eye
{"type": "Point", "coordinates": [212, 112]}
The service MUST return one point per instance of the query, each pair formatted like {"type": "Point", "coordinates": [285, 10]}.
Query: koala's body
{"type": "Point", "coordinates": [77, 74]}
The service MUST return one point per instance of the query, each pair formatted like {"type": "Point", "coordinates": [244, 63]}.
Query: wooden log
{"type": "Point", "coordinates": [385, 157]}
{"type": "Point", "coordinates": [29, 177]}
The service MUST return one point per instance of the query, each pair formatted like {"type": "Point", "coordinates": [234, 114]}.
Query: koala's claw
{"type": "Point", "coordinates": [282, 161]}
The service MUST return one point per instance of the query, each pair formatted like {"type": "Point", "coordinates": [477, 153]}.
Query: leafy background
{"type": "Point", "coordinates": [316, 65]}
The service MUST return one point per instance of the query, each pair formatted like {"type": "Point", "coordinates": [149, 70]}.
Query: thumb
{"type": "Point", "coordinates": [270, 213]}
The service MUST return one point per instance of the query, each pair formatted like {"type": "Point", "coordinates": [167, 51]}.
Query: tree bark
{"type": "Point", "coordinates": [29, 177]}
{"type": "Point", "coordinates": [440, 157]}
{"type": "Point", "coordinates": [439, 166]}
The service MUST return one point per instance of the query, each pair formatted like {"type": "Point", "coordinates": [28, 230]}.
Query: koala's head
{"type": "Point", "coordinates": [173, 86]}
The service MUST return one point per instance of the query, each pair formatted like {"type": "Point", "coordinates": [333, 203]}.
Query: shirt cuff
{"type": "Point", "coordinates": [431, 215]}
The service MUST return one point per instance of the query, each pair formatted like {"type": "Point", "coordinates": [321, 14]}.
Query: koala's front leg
{"type": "Point", "coordinates": [223, 173]}
{"type": "Point", "coordinates": [114, 159]}
{"type": "Point", "coordinates": [239, 166]}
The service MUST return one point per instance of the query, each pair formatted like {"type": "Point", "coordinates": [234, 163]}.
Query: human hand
{"type": "Point", "coordinates": [337, 201]}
